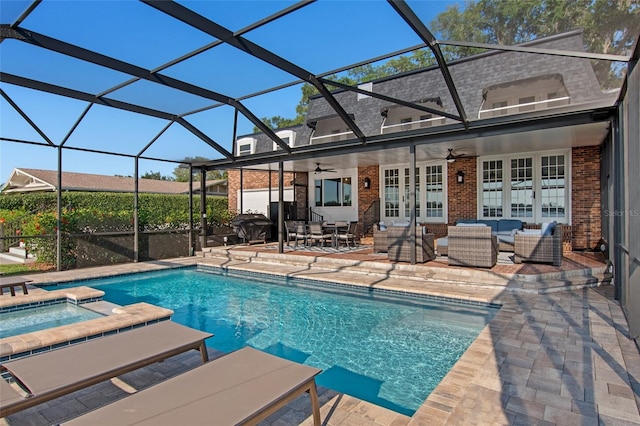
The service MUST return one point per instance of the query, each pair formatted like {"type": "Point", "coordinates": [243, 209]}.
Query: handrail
{"type": "Point", "coordinates": [371, 216]}
{"type": "Point", "coordinates": [315, 217]}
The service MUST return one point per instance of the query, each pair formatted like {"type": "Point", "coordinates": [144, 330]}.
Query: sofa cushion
{"type": "Point", "coordinates": [462, 221]}
{"type": "Point", "coordinates": [509, 224]}
{"type": "Point", "coordinates": [548, 228]}
{"type": "Point", "coordinates": [470, 224]}
{"type": "Point", "coordinates": [509, 239]}
{"type": "Point", "coordinates": [529, 231]}
{"type": "Point", "coordinates": [490, 222]}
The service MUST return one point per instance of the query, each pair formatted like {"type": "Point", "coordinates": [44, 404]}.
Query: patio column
{"type": "Point", "coordinates": [412, 203]}
{"type": "Point", "coordinates": [203, 208]}
{"type": "Point", "coordinates": [59, 211]}
{"type": "Point", "coordinates": [280, 206]}
{"type": "Point", "coordinates": [136, 223]}
{"type": "Point", "coordinates": [191, 242]}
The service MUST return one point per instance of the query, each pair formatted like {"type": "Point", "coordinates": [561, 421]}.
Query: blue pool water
{"type": "Point", "coordinates": [388, 350]}
{"type": "Point", "coordinates": [43, 317]}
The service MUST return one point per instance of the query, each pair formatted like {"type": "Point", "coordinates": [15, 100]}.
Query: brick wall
{"type": "Point", "coordinates": [586, 209]}
{"type": "Point", "coordinates": [252, 179]}
{"type": "Point", "coordinates": [462, 197]}
{"type": "Point", "coordinates": [366, 197]}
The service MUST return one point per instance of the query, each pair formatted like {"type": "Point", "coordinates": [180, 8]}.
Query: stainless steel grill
{"type": "Point", "coordinates": [252, 228]}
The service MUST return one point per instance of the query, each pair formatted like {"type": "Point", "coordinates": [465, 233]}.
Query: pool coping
{"type": "Point", "coordinates": [122, 318]}
{"type": "Point", "coordinates": [494, 381]}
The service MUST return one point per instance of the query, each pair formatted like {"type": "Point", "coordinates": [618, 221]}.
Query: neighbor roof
{"type": "Point", "coordinates": [33, 180]}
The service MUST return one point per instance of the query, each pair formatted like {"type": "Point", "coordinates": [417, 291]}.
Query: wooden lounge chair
{"type": "Point", "coordinates": [243, 387]}
{"type": "Point", "coordinates": [52, 374]}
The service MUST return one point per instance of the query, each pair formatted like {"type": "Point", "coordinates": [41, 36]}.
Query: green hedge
{"type": "Point", "coordinates": [155, 210]}
{"type": "Point", "coordinates": [33, 217]}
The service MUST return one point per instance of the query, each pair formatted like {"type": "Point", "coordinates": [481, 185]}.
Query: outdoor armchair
{"type": "Point", "coordinates": [472, 246]}
{"type": "Point", "coordinates": [544, 245]}
{"type": "Point", "coordinates": [399, 244]}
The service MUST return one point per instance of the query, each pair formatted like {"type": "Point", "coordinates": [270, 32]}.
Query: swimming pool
{"type": "Point", "coordinates": [43, 317]}
{"type": "Point", "coordinates": [387, 349]}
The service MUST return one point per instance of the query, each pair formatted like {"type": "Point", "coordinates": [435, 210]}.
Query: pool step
{"type": "Point", "coordinates": [102, 307]}
{"type": "Point", "coordinates": [530, 283]}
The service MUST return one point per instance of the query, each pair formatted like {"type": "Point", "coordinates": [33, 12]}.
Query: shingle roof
{"type": "Point", "coordinates": [72, 181]}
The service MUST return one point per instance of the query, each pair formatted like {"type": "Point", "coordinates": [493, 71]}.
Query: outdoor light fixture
{"type": "Point", "coordinates": [367, 183]}
{"type": "Point", "coordinates": [450, 157]}
{"type": "Point", "coordinates": [460, 176]}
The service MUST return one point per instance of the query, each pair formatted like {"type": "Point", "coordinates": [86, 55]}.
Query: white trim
{"type": "Point", "coordinates": [283, 134]}
{"type": "Point", "coordinates": [537, 184]}
{"type": "Point", "coordinates": [421, 166]}
{"type": "Point", "coordinates": [244, 142]}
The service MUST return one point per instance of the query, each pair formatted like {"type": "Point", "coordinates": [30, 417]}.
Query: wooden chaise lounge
{"type": "Point", "coordinates": [241, 388]}
{"type": "Point", "coordinates": [52, 374]}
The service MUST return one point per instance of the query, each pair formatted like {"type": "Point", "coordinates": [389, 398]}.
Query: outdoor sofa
{"type": "Point", "coordinates": [503, 229]}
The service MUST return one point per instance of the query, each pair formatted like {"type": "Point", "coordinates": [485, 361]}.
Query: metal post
{"type": "Point", "coordinates": [203, 208]}
{"type": "Point", "coordinates": [191, 248]}
{"type": "Point", "coordinates": [281, 207]}
{"type": "Point", "coordinates": [59, 210]}
{"type": "Point", "coordinates": [136, 223]}
{"type": "Point", "coordinates": [241, 195]}
{"type": "Point", "coordinates": [412, 203]}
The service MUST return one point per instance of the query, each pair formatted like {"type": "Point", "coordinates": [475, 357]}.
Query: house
{"type": "Point", "coordinates": [34, 180]}
{"type": "Point", "coordinates": [539, 124]}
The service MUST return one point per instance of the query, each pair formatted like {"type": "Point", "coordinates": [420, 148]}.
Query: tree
{"type": "Point", "coordinates": [182, 173]}
{"type": "Point", "coordinates": [610, 26]}
{"type": "Point", "coordinates": [155, 176]}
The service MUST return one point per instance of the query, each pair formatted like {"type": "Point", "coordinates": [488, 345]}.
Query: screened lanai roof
{"type": "Point", "coordinates": [166, 80]}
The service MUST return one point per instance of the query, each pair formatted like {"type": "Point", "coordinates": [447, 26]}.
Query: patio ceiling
{"type": "Point", "coordinates": [250, 62]}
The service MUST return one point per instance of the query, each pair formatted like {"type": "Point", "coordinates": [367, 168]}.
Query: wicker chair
{"type": "Point", "coordinates": [380, 244]}
{"type": "Point", "coordinates": [399, 245]}
{"type": "Point", "coordinates": [472, 246]}
{"type": "Point", "coordinates": [539, 248]}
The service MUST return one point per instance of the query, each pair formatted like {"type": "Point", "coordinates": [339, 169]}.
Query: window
{"type": "Point", "coordinates": [492, 188]}
{"type": "Point", "coordinates": [527, 103]}
{"type": "Point", "coordinates": [246, 146]}
{"type": "Point", "coordinates": [434, 191]}
{"type": "Point", "coordinates": [407, 188]}
{"type": "Point", "coordinates": [286, 136]}
{"type": "Point", "coordinates": [552, 186]}
{"type": "Point", "coordinates": [430, 193]}
{"type": "Point", "coordinates": [425, 120]}
{"type": "Point", "coordinates": [333, 192]}
{"type": "Point", "coordinates": [392, 193]}
{"type": "Point", "coordinates": [499, 107]}
{"type": "Point", "coordinates": [528, 94]}
{"type": "Point", "coordinates": [529, 187]}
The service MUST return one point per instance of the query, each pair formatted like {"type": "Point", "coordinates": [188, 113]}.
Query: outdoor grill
{"type": "Point", "coordinates": [252, 228]}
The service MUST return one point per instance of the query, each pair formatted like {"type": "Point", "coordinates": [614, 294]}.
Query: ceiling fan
{"type": "Point", "coordinates": [320, 170]}
{"type": "Point", "coordinates": [451, 157]}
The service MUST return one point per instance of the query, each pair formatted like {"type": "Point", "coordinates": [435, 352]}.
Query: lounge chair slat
{"type": "Point", "coordinates": [243, 387]}
{"type": "Point", "coordinates": [52, 374]}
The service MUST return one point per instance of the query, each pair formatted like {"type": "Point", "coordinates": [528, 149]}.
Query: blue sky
{"type": "Point", "coordinates": [324, 36]}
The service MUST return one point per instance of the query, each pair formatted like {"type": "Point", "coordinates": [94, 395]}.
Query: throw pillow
{"type": "Point", "coordinates": [547, 228]}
